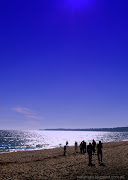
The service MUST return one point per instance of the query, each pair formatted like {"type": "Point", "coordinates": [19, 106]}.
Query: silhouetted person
{"type": "Point", "coordinates": [64, 150]}
{"type": "Point", "coordinates": [81, 146]}
{"type": "Point", "coordinates": [89, 150]}
{"type": "Point", "coordinates": [65, 147]}
{"type": "Point", "coordinates": [99, 151]}
{"type": "Point", "coordinates": [76, 147]}
{"type": "Point", "coordinates": [84, 147]}
{"type": "Point", "coordinates": [93, 146]}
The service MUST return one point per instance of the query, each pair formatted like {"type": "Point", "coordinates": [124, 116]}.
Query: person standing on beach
{"type": "Point", "coordinates": [81, 146]}
{"type": "Point", "coordinates": [99, 151]}
{"type": "Point", "coordinates": [89, 150]}
{"type": "Point", "coordinates": [76, 147]}
{"type": "Point", "coordinates": [65, 147]}
{"type": "Point", "coordinates": [93, 146]}
{"type": "Point", "coordinates": [64, 150]}
{"type": "Point", "coordinates": [84, 147]}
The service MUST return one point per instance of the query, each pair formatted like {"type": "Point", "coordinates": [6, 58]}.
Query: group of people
{"type": "Point", "coordinates": [90, 149]}
{"type": "Point", "coordinates": [83, 147]}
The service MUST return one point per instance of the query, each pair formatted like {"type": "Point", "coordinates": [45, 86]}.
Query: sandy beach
{"type": "Point", "coordinates": [51, 164]}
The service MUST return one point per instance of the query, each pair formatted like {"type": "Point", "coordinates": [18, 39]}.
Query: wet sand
{"type": "Point", "coordinates": [51, 164]}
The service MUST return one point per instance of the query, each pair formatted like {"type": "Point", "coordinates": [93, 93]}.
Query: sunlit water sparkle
{"type": "Point", "coordinates": [14, 140]}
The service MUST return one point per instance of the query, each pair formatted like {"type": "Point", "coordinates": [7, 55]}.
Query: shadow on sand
{"type": "Point", "coordinates": [101, 164]}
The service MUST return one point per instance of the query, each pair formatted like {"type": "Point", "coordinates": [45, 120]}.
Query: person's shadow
{"type": "Point", "coordinates": [91, 164]}
{"type": "Point", "coordinates": [101, 164]}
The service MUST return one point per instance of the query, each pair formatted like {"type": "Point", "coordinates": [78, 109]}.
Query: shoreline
{"type": "Point", "coordinates": [58, 147]}
{"type": "Point", "coordinates": [51, 164]}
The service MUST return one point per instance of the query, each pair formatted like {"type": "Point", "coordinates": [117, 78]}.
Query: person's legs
{"type": "Point", "coordinates": [98, 156]}
{"type": "Point", "coordinates": [75, 149]}
{"type": "Point", "coordinates": [90, 158]}
{"type": "Point", "coordinates": [101, 156]}
{"type": "Point", "coordinates": [93, 150]}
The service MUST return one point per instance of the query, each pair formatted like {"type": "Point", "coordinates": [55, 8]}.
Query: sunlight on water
{"type": "Point", "coordinates": [31, 140]}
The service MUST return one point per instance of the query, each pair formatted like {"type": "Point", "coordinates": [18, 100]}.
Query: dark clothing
{"type": "Point", "coordinates": [64, 150]}
{"type": "Point", "coordinates": [76, 146]}
{"type": "Point", "coordinates": [89, 150]}
{"type": "Point", "coordinates": [84, 147]}
{"type": "Point", "coordinates": [99, 151]}
{"type": "Point", "coordinates": [93, 146]}
{"type": "Point", "coordinates": [100, 156]}
{"type": "Point", "coordinates": [99, 146]}
{"type": "Point", "coordinates": [81, 146]}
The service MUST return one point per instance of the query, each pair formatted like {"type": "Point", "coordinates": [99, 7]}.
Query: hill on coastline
{"type": "Point", "coordinates": [115, 129]}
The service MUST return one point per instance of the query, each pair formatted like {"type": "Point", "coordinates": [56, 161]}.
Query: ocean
{"type": "Point", "coordinates": [17, 140]}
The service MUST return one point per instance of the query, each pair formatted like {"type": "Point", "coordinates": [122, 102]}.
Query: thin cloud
{"type": "Point", "coordinates": [26, 112]}
{"type": "Point", "coordinates": [22, 110]}
{"type": "Point", "coordinates": [33, 116]}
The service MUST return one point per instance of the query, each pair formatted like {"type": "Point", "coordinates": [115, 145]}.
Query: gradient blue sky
{"type": "Point", "coordinates": [63, 63]}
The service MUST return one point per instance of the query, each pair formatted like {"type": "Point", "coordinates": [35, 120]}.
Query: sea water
{"type": "Point", "coordinates": [15, 140]}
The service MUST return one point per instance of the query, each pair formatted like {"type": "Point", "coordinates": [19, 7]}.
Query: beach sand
{"type": "Point", "coordinates": [51, 164]}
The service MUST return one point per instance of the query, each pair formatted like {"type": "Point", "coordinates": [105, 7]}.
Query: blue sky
{"type": "Point", "coordinates": [63, 63]}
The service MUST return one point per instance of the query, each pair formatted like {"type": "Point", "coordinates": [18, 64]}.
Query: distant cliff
{"type": "Point", "coordinates": [116, 129]}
